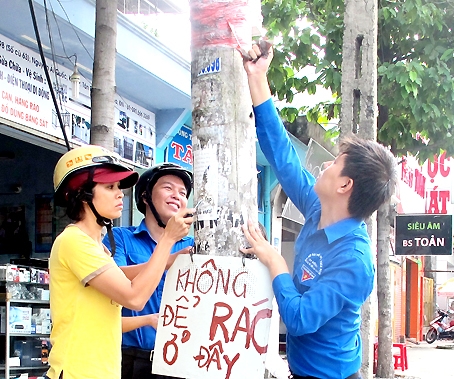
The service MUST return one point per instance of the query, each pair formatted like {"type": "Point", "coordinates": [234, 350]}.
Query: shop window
{"type": "Point", "coordinates": [43, 223]}
{"type": "Point", "coordinates": [49, 222]}
{"type": "Point", "coordinates": [128, 145]}
{"type": "Point", "coordinates": [13, 231]}
{"type": "Point", "coordinates": [80, 129]}
{"type": "Point", "coordinates": [144, 155]}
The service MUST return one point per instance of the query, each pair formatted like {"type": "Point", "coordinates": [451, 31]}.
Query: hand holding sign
{"type": "Point", "coordinates": [266, 253]}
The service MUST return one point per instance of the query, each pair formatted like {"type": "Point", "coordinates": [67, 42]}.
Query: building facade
{"type": "Point", "coordinates": [424, 189]}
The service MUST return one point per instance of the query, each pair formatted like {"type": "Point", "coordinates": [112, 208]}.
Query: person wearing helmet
{"type": "Point", "coordinates": [160, 193]}
{"type": "Point", "coordinates": [87, 288]}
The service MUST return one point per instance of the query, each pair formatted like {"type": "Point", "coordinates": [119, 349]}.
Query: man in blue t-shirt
{"type": "Point", "coordinates": [333, 274]}
{"type": "Point", "coordinates": [160, 192]}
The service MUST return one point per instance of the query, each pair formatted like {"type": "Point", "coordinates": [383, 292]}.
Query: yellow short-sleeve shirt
{"type": "Point", "coordinates": [86, 325]}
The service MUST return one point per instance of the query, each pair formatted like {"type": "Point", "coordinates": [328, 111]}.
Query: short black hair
{"type": "Point", "coordinates": [374, 172]}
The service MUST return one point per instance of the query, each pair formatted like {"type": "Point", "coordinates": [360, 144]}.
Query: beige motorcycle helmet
{"type": "Point", "coordinates": [78, 171]}
{"type": "Point", "coordinates": [86, 163]}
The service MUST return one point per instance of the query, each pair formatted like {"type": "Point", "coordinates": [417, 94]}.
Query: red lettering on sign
{"type": "Point", "coordinates": [170, 316]}
{"type": "Point", "coordinates": [437, 199]}
{"type": "Point", "coordinates": [168, 345]}
{"type": "Point", "coordinates": [407, 174]}
{"type": "Point", "coordinates": [444, 169]}
{"type": "Point", "coordinates": [178, 150]}
{"type": "Point", "coordinates": [220, 320]}
{"type": "Point", "coordinates": [262, 314]}
{"type": "Point", "coordinates": [420, 183]}
{"type": "Point", "coordinates": [212, 354]}
{"type": "Point", "coordinates": [438, 165]}
{"type": "Point", "coordinates": [245, 314]}
{"type": "Point", "coordinates": [188, 155]}
{"type": "Point", "coordinates": [230, 364]}
{"type": "Point", "coordinates": [213, 279]}
{"type": "Point", "coordinates": [182, 153]}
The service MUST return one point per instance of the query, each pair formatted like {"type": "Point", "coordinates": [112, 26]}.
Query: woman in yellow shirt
{"type": "Point", "coordinates": [87, 288]}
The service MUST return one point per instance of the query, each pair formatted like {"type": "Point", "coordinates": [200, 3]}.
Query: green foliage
{"type": "Point", "coordinates": [415, 66]}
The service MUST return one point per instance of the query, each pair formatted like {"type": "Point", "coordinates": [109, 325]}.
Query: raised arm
{"type": "Point", "coordinates": [134, 293]}
{"type": "Point", "coordinates": [256, 70]}
{"type": "Point", "coordinates": [132, 271]}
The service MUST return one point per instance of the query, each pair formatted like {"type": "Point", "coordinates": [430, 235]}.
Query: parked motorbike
{"type": "Point", "coordinates": [440, 327]}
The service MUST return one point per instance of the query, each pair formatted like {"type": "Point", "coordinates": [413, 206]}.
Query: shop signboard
{"type": "Point", "coordinates": [423, 234]}
{"type": "Point", "coordinates": [214, 319]}
{"type": "Point", "coordinates": [135, 133]}
{"type": "Point", "coordinates": [179, 150]}
{"type": "Point", "coordinates": [26, 101]}
{"type": "Point", "coordinates": [25, 95]}
{"type": "Point", "coordinates": [426, 188]}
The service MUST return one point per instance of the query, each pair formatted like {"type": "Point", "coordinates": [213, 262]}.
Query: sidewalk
{"type": "Point", "coordinates": [435, 361]}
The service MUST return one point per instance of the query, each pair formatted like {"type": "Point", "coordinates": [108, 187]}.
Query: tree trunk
{"type": "Point", "coordinates": [223, 138]}
{"type": "Point", "coordinates": [359, 115]}
{"type": "Point", "coordinates": [385, 366]}
{"type": "Point", "coordinates": [103, 84]}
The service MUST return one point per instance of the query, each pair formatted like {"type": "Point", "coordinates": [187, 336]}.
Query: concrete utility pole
{"type": "Point", "coordinates": [359, 113]}
{"type": "Point", "coordinates": [103, 83]}
{"type": "Point", "coordinates": [223, 138]}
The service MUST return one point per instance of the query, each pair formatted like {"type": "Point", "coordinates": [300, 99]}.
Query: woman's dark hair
{"type": "Point", "coordinates": [373, 170]}
{"type": "Point", "coordinates": [76, 197]}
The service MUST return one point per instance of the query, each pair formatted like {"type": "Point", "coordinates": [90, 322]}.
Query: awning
{"type": "Point", "coordinates": [447, 288]}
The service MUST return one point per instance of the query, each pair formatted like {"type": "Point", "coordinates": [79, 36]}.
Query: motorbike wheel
{"type": "Point", "coordinates": [431, 335]}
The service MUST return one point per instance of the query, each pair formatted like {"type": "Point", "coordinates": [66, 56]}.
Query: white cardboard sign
{"type": "Point", "coordinates": [214, 319]}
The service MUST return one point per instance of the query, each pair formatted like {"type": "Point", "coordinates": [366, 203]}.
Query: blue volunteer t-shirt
{"type": "Point", "coordinates": [320, 303]}
{"type": "Point", "coordinates": [134, 245]}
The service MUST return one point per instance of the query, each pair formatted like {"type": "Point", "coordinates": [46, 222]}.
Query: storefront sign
{"type": "Point", "coordinates": [25, 99]}
{"type": "Point", "coordinates": [25, 96]}
{"type": "Point", "coordinates": [426, 188]}
{"type": "Point", "coordinates": [135, 133]}
{"type": "Point", "coordinates": [179, 150]}
{"type": "Point", "coordinates": [214, 319]}
{"type": "Point", "coordinates": [423, 234]}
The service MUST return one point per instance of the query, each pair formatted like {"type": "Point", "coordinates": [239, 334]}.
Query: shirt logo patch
{"type": "Point", "coordinates": [312, 267]}
{"type": "Point", "coordinates": [306, 275]}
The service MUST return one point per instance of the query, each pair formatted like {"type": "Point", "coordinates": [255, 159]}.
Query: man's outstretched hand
{"type": "Point", "coordinates": [258, 58]}
{"type": "Point", "coordinates": [256, 64]}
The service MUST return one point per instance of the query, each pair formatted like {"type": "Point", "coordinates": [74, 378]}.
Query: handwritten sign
{"type": "Point", "coordinates": [214, 319]}
{"type": "Point", "coordinates": [423, 234]}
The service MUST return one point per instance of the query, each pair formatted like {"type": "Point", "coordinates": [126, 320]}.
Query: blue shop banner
{"type": "Point", "coordinates": [179, 150]}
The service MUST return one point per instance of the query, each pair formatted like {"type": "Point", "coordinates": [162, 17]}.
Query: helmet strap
{"type": "Point", "coordinates": [103, 221]}
{"type": "Point", "coordinates": [113, 246]}
{"type": "Point", "coordinates": [87, 196]}
{"type": "Point", "coordinates": [153, 209]}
